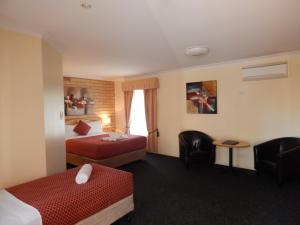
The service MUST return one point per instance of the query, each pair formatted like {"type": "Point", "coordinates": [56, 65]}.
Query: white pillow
{"type": "Point", "coordinates": [69, 131]}
{"type": "Point", "coordinates": [95, 127]}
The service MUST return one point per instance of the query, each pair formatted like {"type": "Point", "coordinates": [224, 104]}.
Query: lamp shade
{"type": "Point", "coordinates": [106, 121]}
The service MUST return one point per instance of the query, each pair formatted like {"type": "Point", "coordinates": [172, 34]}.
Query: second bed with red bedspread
{"type": "Point", "coordinates": [61, 201]}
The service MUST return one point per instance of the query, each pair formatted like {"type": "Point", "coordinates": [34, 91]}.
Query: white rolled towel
{"type": "Point", "coordinates": [84, 174]}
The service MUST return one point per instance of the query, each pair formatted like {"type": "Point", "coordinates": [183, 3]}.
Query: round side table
{"type": "Point", "coordinates": [240, 144]}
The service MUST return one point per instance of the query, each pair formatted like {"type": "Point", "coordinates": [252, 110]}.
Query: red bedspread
{"type": "Point", "coordinates": [95, 148]}
{"type": "Point", "coordinates": [61, 201]}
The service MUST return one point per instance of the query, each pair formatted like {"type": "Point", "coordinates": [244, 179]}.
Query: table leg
{"type": "Point", "coordinates": [230, 158]}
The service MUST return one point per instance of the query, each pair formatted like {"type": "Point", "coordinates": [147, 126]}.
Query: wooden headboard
{"type": "Point", "coordinates": [103, 94]}
{"type": "Point", "coordinates": [69, 120]}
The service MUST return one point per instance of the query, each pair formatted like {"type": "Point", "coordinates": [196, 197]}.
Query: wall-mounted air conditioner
{"type": "Point", "coordinates": [262, 72]}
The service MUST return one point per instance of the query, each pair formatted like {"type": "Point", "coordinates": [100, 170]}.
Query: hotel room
{"type": "Point", "coordinates": [149, 112]}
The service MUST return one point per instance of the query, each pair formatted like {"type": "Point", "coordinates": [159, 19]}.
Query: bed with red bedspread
{"type": "Point", "coordinates": [60, 201]}
{"type": "Point", "coordinates": [110, 153]}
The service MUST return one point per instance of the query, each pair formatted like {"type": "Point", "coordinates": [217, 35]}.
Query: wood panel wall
{"type": "Point", "coordinates": [103, 93]}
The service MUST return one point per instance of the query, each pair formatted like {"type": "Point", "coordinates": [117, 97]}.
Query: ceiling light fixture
{"type": "Point", "coordinates": [86, 5]}
{"type": "Point", "coordinates": [196, 51]}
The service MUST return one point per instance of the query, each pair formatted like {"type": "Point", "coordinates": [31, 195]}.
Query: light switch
{"type": "Point", "coordinates": [61, 115]}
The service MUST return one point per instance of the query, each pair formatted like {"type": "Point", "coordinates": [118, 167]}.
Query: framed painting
{"type": "Point", "coordinates": [78, 101]}
{"type": "Point", "coordinates": [201, 97]}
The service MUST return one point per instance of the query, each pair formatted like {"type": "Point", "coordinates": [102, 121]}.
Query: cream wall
{"type": "Point", "coordinates": [254, 111]}
{"type": "Point", "coordinates": [53, 109]}
{"type": "Point", "coordinates": [22, 129]}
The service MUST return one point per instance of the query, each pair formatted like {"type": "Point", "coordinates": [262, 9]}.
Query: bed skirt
{"type": "Point", "coordinates": [114, 161]}
{"type": "Point", "coordinates": [110, 214]}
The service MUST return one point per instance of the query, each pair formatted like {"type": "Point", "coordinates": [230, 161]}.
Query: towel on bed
{"type": "Point", "coordinates": [84, 174]}
{"type": "Point", "coordinates": [115, 137]}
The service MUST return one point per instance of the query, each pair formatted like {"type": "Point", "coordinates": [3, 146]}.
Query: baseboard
{"type": "Point", "coordinates": [162, 155]}
{"type": "Point", "coordinates": [238, 167]}
{"type": "Point", "coordinates": [216, 164]}
{"type": "Point", "coordinates": [244, 170]}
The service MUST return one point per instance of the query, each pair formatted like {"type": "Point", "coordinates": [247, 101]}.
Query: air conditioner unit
{"type": "Point", "coordinates": [263, 72]}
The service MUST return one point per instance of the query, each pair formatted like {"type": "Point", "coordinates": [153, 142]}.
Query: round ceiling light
{"type": "Point", "coordinates": [196, 51]}
{"type": "Point", "coordinates": [86, 5]}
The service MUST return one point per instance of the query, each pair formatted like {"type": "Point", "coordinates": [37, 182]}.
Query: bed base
{"type": "Point", "coordinates": [114, 161]}
{"type": "Point", "coordinates": [110, 214]}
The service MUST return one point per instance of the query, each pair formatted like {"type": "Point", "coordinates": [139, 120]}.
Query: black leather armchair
{"type": "Point", "coordinates": [195, 146]}
{"type": "Point", "coordinates": [280, 156]}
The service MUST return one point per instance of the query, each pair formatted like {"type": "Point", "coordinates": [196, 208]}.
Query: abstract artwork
{"type": "Point", "coordinates": [201, 97]}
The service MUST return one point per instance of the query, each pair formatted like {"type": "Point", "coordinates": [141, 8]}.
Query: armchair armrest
{"type": "Point", "coordinates": [289, 160]}
{"type": "Point", "coordinates": [184, 145]}
{"type": "Point", "coordinates": [206, 143]}
{"type": "Point", "coordinates": [267, 150]}
{"type": "Point", "coordinates": [294, 151]}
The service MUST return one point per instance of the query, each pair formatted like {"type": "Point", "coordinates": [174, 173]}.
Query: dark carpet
{"type": "Point", "coordinates": [168, 194]}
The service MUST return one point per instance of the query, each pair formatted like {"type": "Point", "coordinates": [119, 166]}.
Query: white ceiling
{"type": "Point", "coordinates": [130, 37]}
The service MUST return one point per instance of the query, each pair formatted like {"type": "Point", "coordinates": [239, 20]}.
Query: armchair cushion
{"type": "Point", "coordinates": [199, 153]}
{"type": "Point", "coordinates": [268, 165]}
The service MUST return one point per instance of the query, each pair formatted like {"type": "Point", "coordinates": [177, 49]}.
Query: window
{"type": "Point", "coordinates": [137, 114]}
